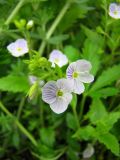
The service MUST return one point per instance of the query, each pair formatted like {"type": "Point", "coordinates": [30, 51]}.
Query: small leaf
{"type": "Point", "coordinates": [97, 111]}
{"type": "Point", "coordinates": [104, 92]}
{"type": "Point", "coordinates": [106, 78]}
{"type": "Point", "coordinates": [110, 141]}
{"type": "Point", "coordinates": [85, 133]}
{"type": "Point", "coordinates": [14, 84]}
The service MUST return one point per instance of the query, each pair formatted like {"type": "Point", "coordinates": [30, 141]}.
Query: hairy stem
{"type": "Point", "coordinates": [19, 125]}
{"type": "Point", "coordinates": [22, 102]}
{"type": "Point", "coordinates": [76, 117]}
{"type": "Point", "coordinates": [53, 26]}
{"type": "Point", "coordinates": [82, 106]}
{"type": "Point", "coordinates": [14, 12]}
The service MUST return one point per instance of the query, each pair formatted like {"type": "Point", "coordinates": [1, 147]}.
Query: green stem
{"type": "Point", "coordinates": [19, 125]}
{"type": "Point", "coordinates": [82, 106]}
{"type": "Point", "coordinates": [53, 26]}
{"type": "Point", "coordinates": [20, 107]}
{"type": "Point", "coordinates": [76, 117]}
{"type": "Point", "coordinates": [41, 113]}
{"type": "Point", "coordinates": [14, 12]}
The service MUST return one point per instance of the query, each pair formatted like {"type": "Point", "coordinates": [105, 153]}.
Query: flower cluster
{"type": "Point", "coordinates": [58, 94]}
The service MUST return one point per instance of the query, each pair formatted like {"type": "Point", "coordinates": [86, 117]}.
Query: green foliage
{"type": "Point", "coordinates": [97, 111]}
{"type": "Point", "coordinates": [107, 77]}
{"type": "Point", "coordinates": [12, 83]}
{"type": "Point", "coordinates": [72, 53]}
{"type": "Point", "coordinates": [110, 141]}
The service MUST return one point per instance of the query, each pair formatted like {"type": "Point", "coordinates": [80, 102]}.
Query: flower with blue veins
{"type": "Point", "coordinates": [78, 73]}
{"type": "Point", "coordinates": [57, 94]}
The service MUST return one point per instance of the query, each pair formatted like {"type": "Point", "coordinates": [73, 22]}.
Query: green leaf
{"type": "Point", "coordinates": [58, 39]}
{"type": "Point", "coordinates": [106, 78]}
{"type": "Point", "coordinates": [85, 133]}
{"type": "Point", "coordinates": [71, 122]}
{"type": "Point", "coordinates": [93, 47]}
{"type": "Point", "coordinates": [110, 141]}
{"type": "Point", "coordinates": [104, 92]}
{"type": "Point", "coordinates": [77, 11]}
{"type": "Point", "coordinates": [97, 111]}
{"type": "Point", "coordinates": [108, 121]}
{"type": "Point", "coordinates": [16, 139]}
{"type": "Point", "coordinates": [47, 136]}
{"type": "Point", "coordinates": [72, 53]}
{"type": "Point", "coordinates": [14, 84]}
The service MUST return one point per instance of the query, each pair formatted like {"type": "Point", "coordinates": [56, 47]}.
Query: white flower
{"type": "Point", "coordinates": [30, 24]}
{"type": "Point", "coordinates": [89, 151]}
{"type": "Point", "coordinates": [78, 73]}
{"type": "Point", "coordinates": [18, 48]}
{"type": "Point", "coordinates": [57, 94]}
{"type": "Point", "coordinates": [34, 79]}
{"type": "Point", "coordinates": [57, 57]}
{"type": "Point", "coordinates": [114, 10]}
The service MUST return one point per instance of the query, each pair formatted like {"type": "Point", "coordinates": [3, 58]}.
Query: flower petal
{"type": "Point", "coordinates": [78, 87]}
{"type": "Point", "coordinates": [83, 65]}
{"type": "Point", "coordinates": [12, 49]}
{"type": "Point", "coordinates": [57, 57]}
{"type": "Point", "coordinates": [59, 106]}
{"type": "Point", "coordinates": [65, 84]}
{"type": "Point", "coordinates": [22, 43]}
{"type": "Point", "coordinates": [112, 7]}
{"type": "Point", "coordinates": [63, 60]}
{"type": "Point", "coordinates": [32, 79]}
{"type": "Point", "coordinates": [71, 68]}
{"type": "Point", "coordinates": [86, 77]}
{"type": "Point", "coordinates": [49, 92]}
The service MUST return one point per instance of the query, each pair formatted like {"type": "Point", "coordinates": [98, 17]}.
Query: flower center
{"type": "Point", "coordinates": [60, 93]}
{"type": "Point", "coordinates": [56, 60]}
{"type": "Point", "coordinates": [19, 49]}
{"type": "Point", "coordinates": [115, 12]}
{"type": "Point", "coordinates": [75, 74]}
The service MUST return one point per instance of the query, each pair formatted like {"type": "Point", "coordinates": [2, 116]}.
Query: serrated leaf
{"type": "Point", "coordinates": [110, 141]}
{"type": "Point", "coordinates": [14, 84]}
{"type": "Point", "coordinates": [85, 133]}
{"type": "Point", "coordinates": [104, 92]}
{"type": "Point", "coordinates": [106, 78]}
{"type": "Point", "coordinates": [107, 122]}
{"type": "Point", "coordinates": [97, 111]}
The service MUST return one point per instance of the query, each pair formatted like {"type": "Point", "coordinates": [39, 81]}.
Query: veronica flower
{"type": "Point", "coordinates": [57, 94]}
{"type": "Point", "coordinates": [34, 79]}
{"type": "Point", "coordinates": [57, 57]}
{"type": "Point", "coordinates": [18, 48]}
{"type": "Point", "coordinates": [114, 10]}
{"type": "Point", "coordinates": [78, 73]}
{"type": "Point", "coordinates": [89, 151]}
